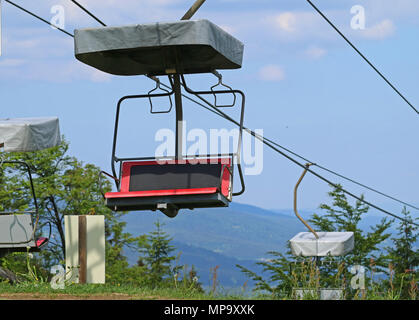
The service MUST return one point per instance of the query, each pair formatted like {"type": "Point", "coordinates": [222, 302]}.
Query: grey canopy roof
{"type": "Point", "coordinates": [29, 134]}
{"type": "Point", "coordinates": [154, 49]}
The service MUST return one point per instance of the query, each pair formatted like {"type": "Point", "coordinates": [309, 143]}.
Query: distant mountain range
{"type": "Point", "coordinates": [206, 238]}
{"type": "Point", "coordinates": [240, 234]}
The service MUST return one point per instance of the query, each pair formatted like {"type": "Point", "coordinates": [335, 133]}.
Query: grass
{"type": "Point", "coordinates": [306, 281]}
{"type": "Point", "coordinates": [125, 292]}
{"type": "Point", "coordinates": [106, 291]}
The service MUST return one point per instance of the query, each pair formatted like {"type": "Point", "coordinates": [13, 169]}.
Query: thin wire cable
{"type": "Point", "coordinates": [88, 12]}
{"type": "Point", "coordinates": [363, 57]}
{"type": "Point", "coordinates": [39, 18]}
{"type": "Point", "coordinates": [342, 176]}
{"type": "Point", "coordinates": [223, 115]}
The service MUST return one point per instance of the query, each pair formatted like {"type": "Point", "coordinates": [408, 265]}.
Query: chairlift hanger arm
{"type": "Point", "coordinates": [193, 9]}
{"type": "Point", "coordinates": [295, 202]}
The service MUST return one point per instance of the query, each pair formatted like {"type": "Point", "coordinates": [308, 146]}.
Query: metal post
{"type": "Point", "coordinates": [82, 249]}
{"type": "Point", "coordinates": [195, 7]}
{"type": "Point", "coordinates": [179, 117]}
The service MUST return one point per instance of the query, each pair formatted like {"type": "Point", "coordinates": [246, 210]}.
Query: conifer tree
{"type": "Point", "coordinates": [405, 257]}
{"type": "Point", "coordinates": [156, 256]}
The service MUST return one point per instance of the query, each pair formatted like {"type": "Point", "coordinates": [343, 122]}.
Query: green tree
{"type": "Point", "coordinates": [405, 257]}
{"type": "Point", "coordinates": [64, 186]}
{"type": "Point", "coordinates": [156, 257]}
{"type": "Point", "coordinates": [342, 216]}
{"type": "Point", "coordinates": [287, 272]}
{"type": "Point", "coordinates": [118, 270]}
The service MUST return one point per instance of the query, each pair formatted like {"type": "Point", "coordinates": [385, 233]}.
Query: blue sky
{"type": "Point", "coordinates": [305, 87]}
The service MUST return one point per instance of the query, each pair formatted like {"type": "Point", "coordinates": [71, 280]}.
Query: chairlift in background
{"type": "Point", "coordinates": [319, 244]}
{"type": "Point", "coordinates": [18, 230]}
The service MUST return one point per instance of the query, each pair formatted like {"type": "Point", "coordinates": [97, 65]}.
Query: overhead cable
{"type": "Point", "coordinates": [363, 57]}
{"type": "Point", "coordinates": [39, 18]}
{"type": "Point", "coordinates": [88, 12]}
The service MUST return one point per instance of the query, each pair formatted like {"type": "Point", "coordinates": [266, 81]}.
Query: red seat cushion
{"type": "Point", "coordinates": [140, 179]}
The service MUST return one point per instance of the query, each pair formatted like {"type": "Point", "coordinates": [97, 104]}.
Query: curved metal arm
{"type": "Point", "coordinates": [215, 92]}
{"type": "Point", "coordinates": [100, 181]}
{"type": "Point", "coordinates": [50, 228]}
{"type": "Point", "coordinates": [295, 202]}
{"type": "Point", "coordinates": [239, 168]}
{"type": "Point", "coordinates": [151, 102]}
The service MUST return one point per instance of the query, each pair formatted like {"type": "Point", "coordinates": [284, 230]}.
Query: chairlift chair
{"type": "Point", "coordinates": [173, 50]}
{"type": "Point", "coordinates": [18, 229]}
{"type": "Point", "coordinates": [177, 182]}
{"type": "Point", "coordinates": [319, 244]}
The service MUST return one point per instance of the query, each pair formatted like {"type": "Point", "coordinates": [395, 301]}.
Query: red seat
{"type": "Point", "coordinates": [180, 183]}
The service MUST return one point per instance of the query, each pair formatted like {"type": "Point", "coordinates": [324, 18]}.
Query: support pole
{"type": "Point", "coordinates": [179, 117]}
{"type": "Point", "coordinates": [195, 7]}
{"type": "Point", "coordinates": [82, 250]}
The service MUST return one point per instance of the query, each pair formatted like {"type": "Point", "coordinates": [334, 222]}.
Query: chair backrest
{"type": "Point", "coordinates": [179, 176]}
{"type": "Point", "coordinates": [16, 231]}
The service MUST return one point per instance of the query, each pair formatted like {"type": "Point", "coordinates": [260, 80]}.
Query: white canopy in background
{"type": "Point", "coordinates": [29, 134]}
{"type": "Point", "coordinates": [329, 243]}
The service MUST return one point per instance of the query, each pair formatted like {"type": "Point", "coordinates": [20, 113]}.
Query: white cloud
{"type": "Point", "coordinates": [315, 52]}
{"type": "Point", "coordinates": [286, 21]}
{"type": "Point", "coordinates": [382, 30]}
{"type": "Point", "coordinates": [297, 26]}
{"type": "Point", "coordinates": [271, 73]}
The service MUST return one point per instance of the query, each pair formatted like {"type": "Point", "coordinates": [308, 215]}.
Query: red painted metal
{"type": "Point", "coordinates": [126, 174]}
